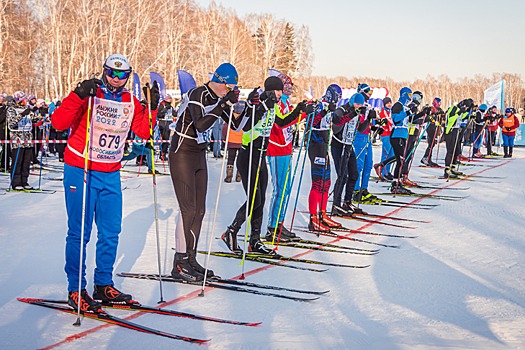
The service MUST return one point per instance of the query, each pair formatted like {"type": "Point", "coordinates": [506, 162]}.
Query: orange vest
{"type": "Point", "coordinates": [508, 123]}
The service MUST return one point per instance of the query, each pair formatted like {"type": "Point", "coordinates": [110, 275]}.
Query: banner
{"type": "Point", "coordinates": [136, 87]}
{"type": "Point", "coordinates": [186, 81]}
{"type": "Point", "coordinates": [494, 95]}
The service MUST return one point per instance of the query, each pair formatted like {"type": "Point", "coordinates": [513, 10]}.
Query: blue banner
{"type": "Point", "coordinates": [186, 81]}
{"type": "Point", "coordinates": [136, 87]}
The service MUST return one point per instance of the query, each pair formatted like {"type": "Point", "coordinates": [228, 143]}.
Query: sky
{"type": "Point", "coordinates": [405, 39]}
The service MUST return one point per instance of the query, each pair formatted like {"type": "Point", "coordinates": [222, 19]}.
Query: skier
{"type": "Point", "coordinates": [255, 143]}
{"type": "Point", "coordinates": [320, 128]}
{"type": "Point", "coordinates": [199, 110]}
{"type": "Point", "coordinates": [455, 115]}
{"type": "Point", "coordinates": [20, 120]}
{"type": "Point", "coordinates": [414, 123]}
{"type": "Point", "coordinates": [5, 154]}
{"type": "Point", "coordinates": [165, 116]}
{"type": "Point", "coordinates": [386, 147]}
{"type": "Point", "coordinates": [363, 147]}
{"type": "Point", "coordinates": [479, 125]}
{"type": "Point", "coordinates": [490, 136]}
{"type": "Point", "coordinates": [398, 139]}
{"type": "Point", "coordinates": [234, 143]}
{"type": "Point", "coordinates": [344, 127]}
{"type": "Point", "coordinates": [279, 155]}
{"type": "Point", "coordinates": [435, 121]}
{"type": "Point", "coordinates": [114, 111]}
{"type": "Point", "coordinates": [509, 123]}
{"type": "Point", "coordinates": [141, 147]}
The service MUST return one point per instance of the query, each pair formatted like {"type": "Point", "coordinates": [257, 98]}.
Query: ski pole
{"type": "Point", "coordinates": [210, 233]}
{"type": "Point", "coordinates": [154, 177]}
{"type": "Point", "coordinates": [302, 168]}
{"type": "Point", "coordinates": [248, 187]}
{"type": "Point", "coordinates": [479, 135]}
{"type": "Point", "coordinates": [78, 322]}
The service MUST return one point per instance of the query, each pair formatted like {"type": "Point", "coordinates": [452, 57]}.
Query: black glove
{"type": "Point", "coordinates": [87, 88]}
{"type": "Point", "coordinates": [254, 97]}
{"type": "Point", "coordinates": [382, 121]}
{"type": "Point", "coordinates": [427, 110]}
{"type": "Point", "coordinates": [26, 112]}
{"type": "Point", "coordinates": [231, 98]}
{"type": "Point", "coordinates": [301, 106]}
{"type": "Point", "coordinates": [310, 108]}
{"type": "Point", "coordinates": [154, 95]}
{"type": "Point", "coordinates": [332, 106]}
{"type": "Point", "coordinates": [43, 110]}
{"type": "Point", "coordinates": [380, 130]}
{"type": "Point", "coordinates": [269, 98]}
{"type": "Point", "coordinates": [362, 110]}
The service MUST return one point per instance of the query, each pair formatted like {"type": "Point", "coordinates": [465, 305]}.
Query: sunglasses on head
{"type": "Point", "coordinates": [113, 73]}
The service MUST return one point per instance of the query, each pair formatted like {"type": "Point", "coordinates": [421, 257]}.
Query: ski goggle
{"type": "Point", "coordinates": [113, 73]}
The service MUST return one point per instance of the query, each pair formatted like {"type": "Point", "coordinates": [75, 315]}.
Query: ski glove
{"type": "Point", "coordinates": [231, 98]}
{"type": "Point", "coordinates": [25, 112]}
{"type": "Point", "coordinates": [269, 98]}
{"type": "Point", "coordinates": [87, 88]}
{"type": "Point", "coordinates": [254, 97]}
{"type": "Point", "coordinates": [332, 106]}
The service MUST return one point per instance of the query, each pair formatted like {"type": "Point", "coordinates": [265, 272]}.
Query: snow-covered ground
{"type": "Point", "coordinates": [459, 285]}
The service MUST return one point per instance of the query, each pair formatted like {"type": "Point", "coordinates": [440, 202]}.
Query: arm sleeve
{"type": "Point", "coordinates": [71, 109]}
{"type": "Point", "coordinates": [290, 118]}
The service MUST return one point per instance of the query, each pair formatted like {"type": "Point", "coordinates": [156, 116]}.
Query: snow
{"type": "Point", "coordinates": [458, 285]}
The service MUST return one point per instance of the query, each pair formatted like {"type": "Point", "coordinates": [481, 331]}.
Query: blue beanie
{"type": "Point", "coordinates": [483, 107]}
{"type": "Point", "coordinates": [405, 95]}
{"type": "Point", "coordinates": [357, 98]}
{"type": "Point", "coordinates": [225, 74]}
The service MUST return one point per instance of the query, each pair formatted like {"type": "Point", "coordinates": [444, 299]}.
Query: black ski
{"type": "Point", "coordinates": [136, 306]}
{"type": "Point", "coordinates": [424, 195]}
{"type": "Point", "coordinates": [391, 218]}
{"type": "Point", "coordinates": [168, 278]}
{"type": "Point", "coordinates": [349, 230]}
{"type": "Point", "coordinates": [318, 248]}
{"type": "Point", "coordinates": [281, 258]}
{"type": "Point", "coordinates": [233, 282]}
{"type": "Point", "coordinates": [105, 317]}
{"type": "Point", "coordinates": [375, 221]}
{"type": "Point", "coordinates": [334, 234]}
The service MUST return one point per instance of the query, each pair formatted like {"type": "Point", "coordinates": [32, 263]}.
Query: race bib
{"type": "Point", "coordinates": [288, 134]}
{"type": "Point", "coordinates": [320, 160]}
{"type": "Point", "coordinates": [110, 125]}
{"type": "Point", "coordinates": [349, 131]}
{"type": "Point", "coordinates": [264, 126]}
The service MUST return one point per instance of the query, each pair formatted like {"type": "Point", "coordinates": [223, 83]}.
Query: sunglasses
{"type": "Point", "coordinates": [113, 73]}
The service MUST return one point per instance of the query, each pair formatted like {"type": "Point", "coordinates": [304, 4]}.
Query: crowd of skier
{"type": "Point", "coordinates": [259, 136]}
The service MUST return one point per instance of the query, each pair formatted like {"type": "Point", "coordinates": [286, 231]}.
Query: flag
{"type": "Point", "coordinates": [494, 95]}
{"type": "Point", "coordinates": [162, 87]}
{"type": "Point", "coordinates": [136, 87]}
{"type": "Point", "coordinates": [186, 81]}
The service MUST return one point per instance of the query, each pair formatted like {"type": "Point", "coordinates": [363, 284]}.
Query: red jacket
{"type": "Point", "coordinates": [73, 114]}
{"type": "Point", "coordinates": [387, 129]}
{"type": "Point", "coordinates": [281, 137]}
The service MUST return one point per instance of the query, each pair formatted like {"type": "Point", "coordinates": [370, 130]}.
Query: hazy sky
{"type": "Point", "coordinates": [405, 39]}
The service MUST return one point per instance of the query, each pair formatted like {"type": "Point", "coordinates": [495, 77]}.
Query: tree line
{"type": "Point", "coordinates": [47, 46]}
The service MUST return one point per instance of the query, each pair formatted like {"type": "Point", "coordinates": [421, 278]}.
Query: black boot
{"type": "Point", "coordinates": [510, 152]}
{"type": "Point", "coordinates": [230, 238]}
{"type": "Point", "coordinates": [182, 269]}
{"type": "Point", "coordinates": [505, 152]}
{"type": "Point", "coordinates": [110, 294]}
{"type": "Point", "coordinates": [229, 174]}
{"type": "Point", "coordinates": [192, 259]}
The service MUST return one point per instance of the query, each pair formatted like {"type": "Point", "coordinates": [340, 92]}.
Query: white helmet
{"type": "Point", "coordinates": [117, 62]}
{"type": "Point", "coordinates": [116, 65]}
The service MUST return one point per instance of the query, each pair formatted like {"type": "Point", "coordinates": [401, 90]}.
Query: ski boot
{"type": "Point", "coordinates": [378, 168]}
{"type": "Point", "coordinates": [317, 225]}
{"type": "Point", "coordinates": [425, 161]}
{"type": "Point", "coordinates": [368, 198]}
{"type": "Point", "coordinates": [110, 294]}
{"type": "Point", "coordinates": [230, 238]}
{"type": "Point", "coordinates": [397, 188]}
{"type": "Point", "coordinates": [340, 210]}
{"type": "Point", "coordinates": [86, 302]}
{"type": "Point", "coordinates": [407, 182]}
{"type": "Point", "coordinates": [192, 260]}
{"type": "Point", "coordinates": [256, 246]}
{"type": "Point", "coordinates": [389, 177]}
{"type": "Point", "coordinates": [449, 174]}
{"type": "Point", "coordinates": [325, 219]}
{"type": "Point", "coordinates": [456, 172]}
{"type": "Point", "coordinates": [347, 205]}
{"type": "Point", "coordinates": [182, 269]}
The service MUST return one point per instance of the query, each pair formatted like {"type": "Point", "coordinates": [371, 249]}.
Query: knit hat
{"type": "Point", "coordinates": [357, 98]}
{"type": "Point", "coordinates": [273, 83]}
{"type": "Point", "coordinates": [225, 74]}
{"type": "Point", "coordinates": [386, 100]}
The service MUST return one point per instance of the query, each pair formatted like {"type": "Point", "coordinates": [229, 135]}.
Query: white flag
{"type": "Point", "coordinates": [494, 95]}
